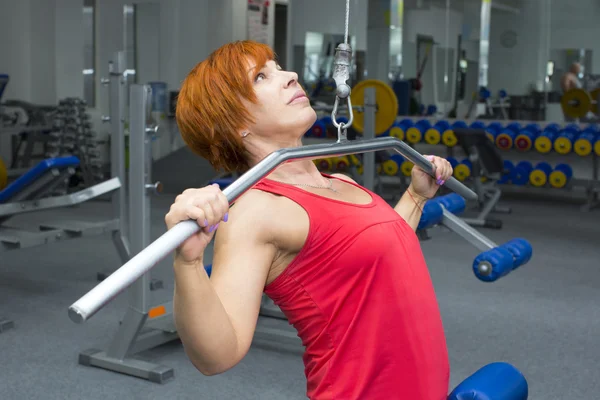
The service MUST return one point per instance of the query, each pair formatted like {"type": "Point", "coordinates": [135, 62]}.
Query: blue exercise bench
{"type": "Point", "coordinates": [33, 191]}
{"type": "Point", "coordinates": [41, 179]}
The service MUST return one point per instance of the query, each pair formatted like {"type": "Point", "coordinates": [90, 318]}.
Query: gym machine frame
{"type": "Point", "coordinates": [138, 331]}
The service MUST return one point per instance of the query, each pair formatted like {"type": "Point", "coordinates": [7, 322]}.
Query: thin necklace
{"type": "Point", "coordinates": [330, 186]}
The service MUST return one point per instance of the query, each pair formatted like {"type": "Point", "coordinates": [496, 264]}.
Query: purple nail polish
{"type": "Point", "coordinates": [216, 226]}
{"type": "Point", "coordinates": [226, 217]}
{"type": "Point", "coordinates": [439, 182]}
{"type": "Point", "coordinates": [443, 181]}
{"type": "Point", "coordinates": [205, 223]}
{"type": "Point", "coordinates": [212, 228]}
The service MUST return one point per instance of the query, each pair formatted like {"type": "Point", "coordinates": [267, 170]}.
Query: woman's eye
{"type": "Point", "coordinates": [260, 75]}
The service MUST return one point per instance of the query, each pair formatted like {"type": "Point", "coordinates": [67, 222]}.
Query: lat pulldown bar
{"type": "Point", "coordinates": [105, 291]}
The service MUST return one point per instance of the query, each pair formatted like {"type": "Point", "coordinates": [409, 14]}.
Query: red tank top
{"type": "Point", "coordinates": [361, 298]}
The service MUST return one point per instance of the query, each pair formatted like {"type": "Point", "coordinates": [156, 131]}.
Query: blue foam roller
{"type": "Point", "coordinates": [521, 251]}
{"type": "Point", "coordinates": [432, 214]}
{"type": "Point", "coordinates": [208, 269]}
{"type": "Point", "coordinates": [431, 109]}
{"type": "Point", "coordinates": [502, 93]}
{"type": "Point", "coordinates": [452, 202]}
{"type": "Point", "coordinates": [493, 264]}
{"type": "Point", "coordinates": [495, 381]}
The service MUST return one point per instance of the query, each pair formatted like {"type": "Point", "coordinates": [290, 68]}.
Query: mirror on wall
{"type": "Point", "coordinates": [561, 61]}
{"type": "Point", "coordinates": [317, 71]}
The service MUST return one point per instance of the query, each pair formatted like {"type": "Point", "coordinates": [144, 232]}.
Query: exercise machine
{"type": "Point", "coordinates": [143, 327]}
{"type": "Point", "coordinates": [487, 164]}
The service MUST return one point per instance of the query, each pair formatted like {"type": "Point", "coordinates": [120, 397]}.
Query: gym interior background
{"type": "Point", "coordinates": [452, 68]}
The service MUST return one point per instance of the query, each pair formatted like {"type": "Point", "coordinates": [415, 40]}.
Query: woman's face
{"type": "Point", "coordinates": [283, 112]}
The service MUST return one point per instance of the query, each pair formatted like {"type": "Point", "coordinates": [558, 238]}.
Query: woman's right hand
{"type": "Point", "coordinates": [207, 206]}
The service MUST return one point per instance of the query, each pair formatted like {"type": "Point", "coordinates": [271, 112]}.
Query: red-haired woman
{"type": "Point", "coordinates": [345, 267]}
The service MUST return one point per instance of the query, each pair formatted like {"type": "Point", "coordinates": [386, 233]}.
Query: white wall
{"type": "Point", "coordinates": [15, 48]}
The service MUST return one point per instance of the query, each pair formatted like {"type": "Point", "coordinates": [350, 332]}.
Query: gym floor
{"type": "Point", "coordinates": [543, 318]}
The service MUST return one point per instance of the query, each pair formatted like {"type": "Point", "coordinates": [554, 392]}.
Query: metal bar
{"type": "Point", "coordinates": [139, 199]}
{"type": "Point", "coordinates": [122, 278]}
{"type": "Point", "coordinates": [117, 111]}
{"type": "Point", "coordinates": [369, 134]}
{"type": "Point", "coordinates": [60, 201]}
{"type": "Point", "coordinates": [457, 225]}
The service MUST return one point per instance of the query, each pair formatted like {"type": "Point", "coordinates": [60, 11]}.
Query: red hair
{"type": "Point", "coordinates": [210, 112]}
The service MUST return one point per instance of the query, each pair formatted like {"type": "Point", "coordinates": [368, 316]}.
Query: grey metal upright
{"type": "Point", "coordinates": [117, 104]}
{"type": "Point", "coordinates": [369, 134]}
{"type": "Point", "coordinates": [136, 333]}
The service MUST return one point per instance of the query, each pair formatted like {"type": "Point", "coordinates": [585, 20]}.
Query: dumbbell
{"type": "Point", "coordinates": [493, 130]}
{"type": "Point", "coordinates": [462, 171]}
{"type": "Point", "coordinates": [587, 141]}
{"type": "Point", "coordinates": [560, 176]}
{"type": "Point", "coordinates": [563, 143]}
{"type": "Point", "coordinates": [507, 172]}
{"type": "Point", "coordinates": [539, 175]}
{"type": "Point", "coordinates": [526, 137]}
{"type": "Point", "coordinates": [544, 142]}
{"type": "Point", "coordinates": [506, 139]}
{"type": "Point", "coordinates": [520, 174]}
{"type": "Point", "coordinates": [434, 134]}
{"type": "Point", "coordinates": [448, 136]}
{"type": "Point", "coordinates": [318, 130]}
{"type": "Point", "coordinates": [399, 129]}
{"type": "Point", "coordinates": [415, 133]}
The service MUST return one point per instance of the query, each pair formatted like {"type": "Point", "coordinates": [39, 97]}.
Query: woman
{"type": "Point", "coordinates": [344, 266]}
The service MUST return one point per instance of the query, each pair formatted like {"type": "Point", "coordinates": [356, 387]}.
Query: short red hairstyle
{"type": "Point", "coordinates": [210, 112]}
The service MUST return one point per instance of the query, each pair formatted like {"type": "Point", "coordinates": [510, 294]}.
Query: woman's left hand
{"type": "Point", "coordinates": [426, 186]}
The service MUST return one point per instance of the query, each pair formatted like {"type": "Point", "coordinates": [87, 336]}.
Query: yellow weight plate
{"type": "Point", "coordinates": [3, 175]}
{"type": "Point", "coordinates": [582, 147]}
{"type": "Point", "coordinates": [379, 169]}
{"type": "Point", "coordinates": [406, 168]}
{"type": "Point", "coordinates": [562, 145]}
{"type": "Point", "coordinates": [449, 138]}
{"type": "Point", "coordinates": [543, 144]}
{"type": "Point", "coordinates": [359, 170]}
{"type": "Point", "coordinates": [462, 172]}
{"type": "Point", "coordinates": [387, 105]}
{"type": "Point", "coordinates": [490, 136]}
{"type": "Point", "coordinates": [594, 94]}
{"type": "Point", "coordinates": [433, 136]}
{"type": "Point", "coordinates": [354, 160]}
{"type": "Point", "coordinates": [390, 167]}
{"type": "Point", "coordinates": [576, 103]}
{"type": "Point", "coordinates": [558, 179]}
{"type": "Point", "coordinates": [538, 178]}
{"type": "Point", "coordinates": [413, 135]}
{"type": "Point", "coordinates": [597, 147]}
{"type": "Point", "coordinates": [397, 132]}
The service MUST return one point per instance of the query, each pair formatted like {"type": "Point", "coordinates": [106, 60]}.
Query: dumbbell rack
{"type": "Point", "coordinates": [591, 185]}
